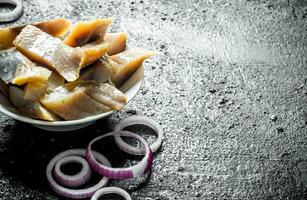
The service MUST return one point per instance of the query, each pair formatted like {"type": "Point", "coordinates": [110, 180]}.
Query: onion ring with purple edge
{"type": "Point", "coordinates": [75, 193]}
{"type": "Point", "coordinates": [14, 14]}
{"type": "Point", "coordinates": [138, 120]}
{"type": "Point", "coordinates": [120, 173]}
{"type": "Point", "coordinates": [111, 190]}
{"type": "Point", "coordinates": [72, 181]}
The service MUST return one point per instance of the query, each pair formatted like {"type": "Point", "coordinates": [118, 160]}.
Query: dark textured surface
{"type": "Point", "coordinates": [229, 87]}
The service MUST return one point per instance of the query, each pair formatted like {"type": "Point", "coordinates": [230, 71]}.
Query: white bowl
{"type": "Point", "coordinates": [130, 88]}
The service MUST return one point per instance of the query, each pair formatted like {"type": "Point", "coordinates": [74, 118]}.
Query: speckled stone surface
{"type": "Point", "coordinates": [229, 87]}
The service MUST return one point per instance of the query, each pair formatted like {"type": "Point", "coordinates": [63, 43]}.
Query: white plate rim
{"type": "Point", "coordinates": [130, 94]}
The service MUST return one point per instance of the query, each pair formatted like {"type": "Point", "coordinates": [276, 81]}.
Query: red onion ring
{"type": "Point", "coordinates": [75, 193]}
{"type": "Point", "coordinates": [120, 173]}
{"type": "Point", "coordinates": [111, 190]}
{"type": "Point", "coordinates": [142, 120]}
{"type": "Point", "coordinates": [76, 180]}
{"type": "Point", "coordinates": [14, 14]}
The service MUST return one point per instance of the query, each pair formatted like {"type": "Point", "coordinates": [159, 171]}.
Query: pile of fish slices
{"type": "Point", "coordinates": [53, 71]}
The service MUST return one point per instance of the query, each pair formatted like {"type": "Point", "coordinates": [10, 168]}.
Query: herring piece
{"type": "Point", "coordinates": [16, 68]}
{"type": "Point", "coordinates": [11, 59]}
{"type": "Point", "coordinates": [128, 61]}
{"type": "Point", "coordinates": [100, 71]}
{"type": "Point", "coordinates": [55, 80]}
{"type": "Point", "coordinates": [92, 52]}
{"type": "Point", "coordinates": [116, 41]}
{"type": "Point", "coordinates": [34, 90]}
{"type": "Point", "coordinates": [72, 103]}
{"type": "Point", "coordinates": [31, 109]}
{"type": "Point", "coordinates": [133, 79]}
{"type": "Point", "coordinates": [30, 73]}
{"type": "Point", "coordinates": [84, 32]}
{"type": "Point", "coordinates": [107, 94]}
{"type": "Point", "coordinates": [43, 48]}
{"type": "Point", "coordinates": [55, 27]}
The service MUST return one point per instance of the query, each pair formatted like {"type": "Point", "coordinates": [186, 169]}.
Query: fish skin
{"type": "Point", "coordinates": [11, 59]}
{"type": "Point", "coordinates": [16, 68]}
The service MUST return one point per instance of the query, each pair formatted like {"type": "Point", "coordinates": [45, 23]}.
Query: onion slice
{"type": "Point", "coordinates": [76, 180]}
{"type": "Point", "coordinates": [111, 190]}
{"type": "Point", "coordinates": [14, 14]}
{"type": "Point", "coordinates": [141, 120]}
{"type": "Point", "coordinates": [120, 173]}
{"type": "Point", "coordinates": [75, 193]}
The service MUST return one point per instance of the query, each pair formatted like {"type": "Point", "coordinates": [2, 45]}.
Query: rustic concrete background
{"type": "Point", "coordinates": [229, 87]}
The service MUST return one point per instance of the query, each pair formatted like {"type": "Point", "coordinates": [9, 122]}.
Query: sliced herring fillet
{"type": "Point", "coordinates": [34, 90]}
{"type": "Point", "coordinates": [116, 41]}
{"type": "Point", "coordinates": [84, 32]}
{"type": "Point", "coordinates": [107, 94]}
{"type": "Point", "coordinates": [27, 73]}
{"type": "Point", "coordinates": [55, 27]}
{"type": "Point", "coordinates": [91, 52]}
{"type": "Point", "coordinates": [71, 104]}
{"type": "Point", "coordinates": [45, 49]}
{"type": "Point", "coordinates": [128, 61]}
{"type": "Point", "coordinates": [31, 109]}
{"type": "Point", "coordinates": [100, 71]}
